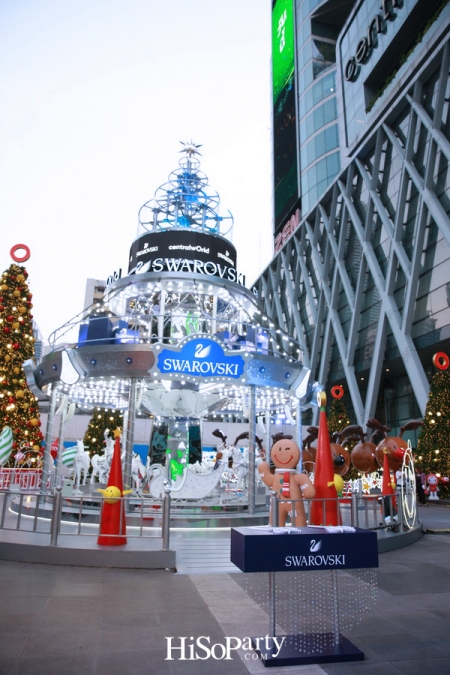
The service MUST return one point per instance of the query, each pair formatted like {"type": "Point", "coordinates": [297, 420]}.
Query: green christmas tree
{"type": "Point", "coordinates": [101, 420]}
{"type": "Point", "coordinates": [433, 447]}
{"type": "Point", "coordinates": [338, 418]}
{"type": "Point", "coordinates": [18, 406]}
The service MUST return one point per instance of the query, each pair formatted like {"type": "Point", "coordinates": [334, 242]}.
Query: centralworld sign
{"type": "Point", "coordinates": [369, 42]}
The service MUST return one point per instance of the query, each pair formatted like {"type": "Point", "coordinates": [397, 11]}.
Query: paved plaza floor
{"type": "Point", "coordinates": [63, 620]}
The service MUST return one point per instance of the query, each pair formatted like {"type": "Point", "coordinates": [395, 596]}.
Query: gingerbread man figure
{"type": "Point", "coordinates": [287, 482]}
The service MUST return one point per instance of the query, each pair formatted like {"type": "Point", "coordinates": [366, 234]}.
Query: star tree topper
{"type": "Point", "coordinates": [191, 148]}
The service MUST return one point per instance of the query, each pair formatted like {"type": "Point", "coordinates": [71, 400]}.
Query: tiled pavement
{"type": "Point", "coordinates": [65, 620]}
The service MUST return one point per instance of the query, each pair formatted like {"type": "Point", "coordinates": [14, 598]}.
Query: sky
{"type": "Point", "coordinates": [96, 97]}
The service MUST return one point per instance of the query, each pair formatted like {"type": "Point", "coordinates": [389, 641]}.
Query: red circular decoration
{"type": "Point", "coordinates": [20, 247]}
{"type": "Point", "coordinates": [337, 391]}
{"type": "Point", "coordinates": [441, 361]}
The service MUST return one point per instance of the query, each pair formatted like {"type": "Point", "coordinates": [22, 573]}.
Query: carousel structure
{"type": "Point", "coordinates": [178, 339]}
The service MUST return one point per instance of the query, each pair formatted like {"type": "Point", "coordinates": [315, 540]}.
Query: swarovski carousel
{"type": "Point", "coordinates": [181, 341]}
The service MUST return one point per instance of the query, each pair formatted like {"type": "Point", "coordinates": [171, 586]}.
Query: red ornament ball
{"type": "Point", "coordinates": [12, 277]}
{"type": "Point", "coordinates": [2, 308]}
{"type": "Point", "coordinates": [10, 318]}
{"type": "Point", "coordinates": [11, 399]}
{"type": "Point", "coordinates": [441, 361]}
{"type": "Point", "coordinates": [6, 329]}
{"type": "Point", "coordinates": [16, 346]}
{"type": "Point", "coordinates": [445, 480]}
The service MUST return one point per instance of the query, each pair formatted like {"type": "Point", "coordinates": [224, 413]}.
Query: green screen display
{"type": "Point", "coordinates": [282, 45]}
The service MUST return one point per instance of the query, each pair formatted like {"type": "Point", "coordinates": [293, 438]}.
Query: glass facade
{"type": "Point", "coordinates": [367, 272]}
{"type": "Point", "coordinates": [318, 127]}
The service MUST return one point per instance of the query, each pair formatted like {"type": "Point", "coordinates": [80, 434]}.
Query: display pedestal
{"type": "Point", "coordinates": [299, 550]}
{"type": "Point", "coordinates": [301, 649]}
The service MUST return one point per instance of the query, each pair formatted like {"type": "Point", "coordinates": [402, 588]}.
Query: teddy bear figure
{"type": "Point", "coordinates": [291, 487]}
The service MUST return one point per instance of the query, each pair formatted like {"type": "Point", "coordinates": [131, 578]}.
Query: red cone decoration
{"type": "Point", "coordinates": [112, 519]}
{"type": "Point", "coordinates": [386, 488]}
{"type": "Point", "coordinates": [324, 512]}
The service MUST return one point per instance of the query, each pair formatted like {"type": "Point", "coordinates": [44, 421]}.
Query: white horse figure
{"type": "Point", "coordinates": [100, 468]}
{"type": "Point", "coordinates": [81, 463]}
{"type": "Point", "coordinates": [101, 464]}
{"type": "Point", "coordinates": [138, 471]}
{"type": "Point", "coordinates": [240, 465]}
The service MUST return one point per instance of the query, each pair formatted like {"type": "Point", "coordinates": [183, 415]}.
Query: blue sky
{"type": "Point", "coordinates": [96, 95]}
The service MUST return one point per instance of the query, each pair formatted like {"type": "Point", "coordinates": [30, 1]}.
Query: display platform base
{"type": "Point", "coordinates": [306, 648]}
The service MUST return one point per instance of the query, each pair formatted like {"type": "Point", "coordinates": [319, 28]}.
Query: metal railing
{"type": "Point", "coordinates": [81, 515]}
{"type": "Point", "coordinates": [59, 516]}
{"type": "Point", "coordinates": [369, 512]}
{"type": "Point", "coordinates": [170, 327]}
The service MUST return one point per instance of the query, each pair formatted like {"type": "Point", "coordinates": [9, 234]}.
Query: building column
{"type": "Point", "coordinates": [129, 439]}
{"type": "Point", "coordinates": [251, 450]}
{"type": "Point", "coordinates": [48, 439]}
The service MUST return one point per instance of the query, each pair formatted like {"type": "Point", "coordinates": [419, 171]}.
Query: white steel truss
{"type": "Point", "coordinates": [345, 284]}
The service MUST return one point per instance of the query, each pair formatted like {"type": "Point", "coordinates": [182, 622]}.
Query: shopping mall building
{"type": "Point", "coordinates": [361, 271]}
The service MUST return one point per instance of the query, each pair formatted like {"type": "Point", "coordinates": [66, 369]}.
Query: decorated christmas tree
{"type": "Point", "coordinates": [433, 448]}
{"type": "Point", "coordinates": [101, 420]}
{"type": "Point", "coordinates": [18, 406]}
{"type": "Point", "coordinates": [337, 418]}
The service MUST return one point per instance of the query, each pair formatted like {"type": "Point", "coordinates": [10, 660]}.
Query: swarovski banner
{"type": "Point", "coordinates": [201, 357]}
{"type": "Point", "coordinates": [184, 251]}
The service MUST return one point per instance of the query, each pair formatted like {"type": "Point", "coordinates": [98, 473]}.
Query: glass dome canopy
{"type": "Point", "coordinates": [185, 201]}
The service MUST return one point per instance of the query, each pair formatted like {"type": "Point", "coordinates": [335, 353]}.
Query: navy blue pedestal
{"type": "Point", "coordinates": [298, 650]}
{"type": "Point", "coordinates": [299, 550]}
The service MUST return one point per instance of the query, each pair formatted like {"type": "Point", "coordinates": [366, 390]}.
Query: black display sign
{"type": "Point", "coordinates": [184, 251]}
{"type": "Point", "coordinates": [313, 548]}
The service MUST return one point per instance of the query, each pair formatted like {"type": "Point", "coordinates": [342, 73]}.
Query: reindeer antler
{"type": "Point", "coordinates": [410, 426]}
{"type": "Point", "coordinates": [219, 434]}
{"type": "Point", "coordinates": [241, 437]}
{"type": "Point", "coordinates": [353, 432]}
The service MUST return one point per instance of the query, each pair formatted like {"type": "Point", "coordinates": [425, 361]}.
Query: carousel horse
{"type": "Point", "coordinates": [81, 463]}
{"type": "Point", "coordinates": [138, 471]}
{"type": "Point", "coordinates": [102, 463]}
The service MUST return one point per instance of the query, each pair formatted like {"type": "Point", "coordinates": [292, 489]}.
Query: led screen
{"type": "Point", "coordinates": [284, 117]}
